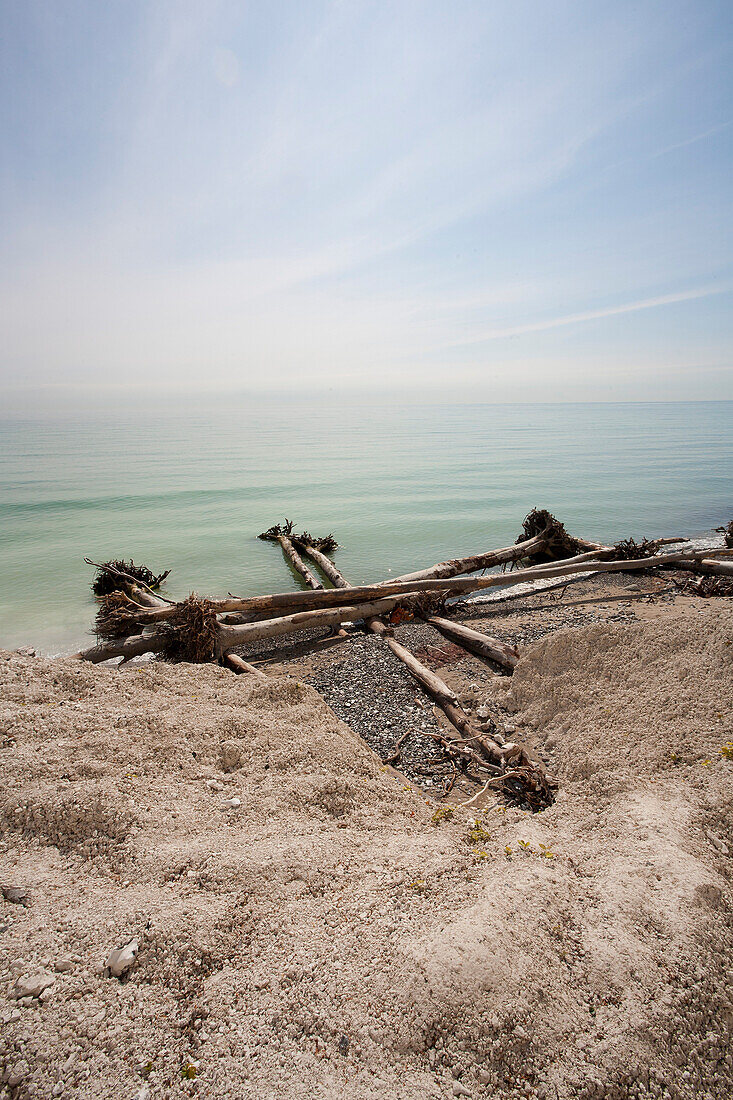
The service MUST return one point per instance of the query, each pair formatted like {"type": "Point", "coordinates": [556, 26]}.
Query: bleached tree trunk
{"type": "Point", "coordinates": [481, 644]}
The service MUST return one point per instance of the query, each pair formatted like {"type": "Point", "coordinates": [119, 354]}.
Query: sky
{"type": "Point", "coordinates": [485, 200]}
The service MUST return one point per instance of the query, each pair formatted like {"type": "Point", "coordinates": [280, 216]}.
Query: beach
{"type": "Point", "coordinates": [310, 921]}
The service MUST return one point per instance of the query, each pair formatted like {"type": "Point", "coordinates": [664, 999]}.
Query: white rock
{"type": "Point", "coordinates": [120, 959]}
{"type": "Point", "coordinates": [482, 712]}
{"type": "Point", "coordinates": [16, 1074]}
{"type": "Point", "coordinates": [232, 803]}
{"type": "Point", "coordinates": [32, 986]}
{"type": "Point", "coordinates": [215, 785]}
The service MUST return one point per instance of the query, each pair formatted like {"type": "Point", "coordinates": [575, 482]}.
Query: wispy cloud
{"type": "Point", "coordinates": [594, 314]}
{"type": "Point", "coordinates": [353, 189]}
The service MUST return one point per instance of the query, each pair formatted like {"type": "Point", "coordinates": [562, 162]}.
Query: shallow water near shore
{"type": "Point", "coordinates": [400, 486]}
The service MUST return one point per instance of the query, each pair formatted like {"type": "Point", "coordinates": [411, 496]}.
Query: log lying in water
{"type": "Point", "coordinates": [338, 605]}
{"type": "Point", "coordinates": [282, 534]}
{"type": "Point", "coordinates": [481, 644]}
{"type": "Point", "coordinates": [290, 602]}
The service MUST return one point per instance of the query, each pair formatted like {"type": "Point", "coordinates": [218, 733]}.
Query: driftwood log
{"type": "Point", "coordinates": [283, 535]}
{"type": "Point", "coordinates": [334, 606]}
{"type": "Point", "coordinates": [483, 645]}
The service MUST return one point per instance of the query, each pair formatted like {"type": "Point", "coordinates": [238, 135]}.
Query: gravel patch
{"type": "Point", "coordinates": [367, 687]}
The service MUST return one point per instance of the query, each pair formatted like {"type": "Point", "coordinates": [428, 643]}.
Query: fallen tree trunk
{"type": "Point", "coordinates": [133, 646]}
{"type": "Point", "coordinates": [720, 568]}
{"type": "Point", "coordinates": [297, 563]}
{"type": "Point", "coordinates": [326, 566]}
{"type": "Point", "coordinates": [456, 566]}
{"type": "Point", "coordinates": [481, 644]}
{"type": "Point", "coordinates": [335, 598]}
{"type": "Point", "coordinates": [438, 690]}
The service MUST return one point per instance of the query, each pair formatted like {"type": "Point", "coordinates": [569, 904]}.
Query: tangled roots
{"type": "Point", "coordinates": [272, 534]}
{"type": "Point", "coordinates": [116, 576]}
{"type": "Point", "coordinates": [192, 631]}
{"type": "Point", "coordinates": [326, 545]}
{"type": "Point", "coordinates": [118, 616]}
{"type": "Point", "coordinates": [709, 586]}
{"type": "Point", "coordinates": [428, 603]}
{"type": "Point", "coordinates": [628, 549]}
{"type": "Point", "coordinates": [559, 544]}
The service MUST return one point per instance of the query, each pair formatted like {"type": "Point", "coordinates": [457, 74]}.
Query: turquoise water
{"type": "Point", "coordinates": [400, 486]}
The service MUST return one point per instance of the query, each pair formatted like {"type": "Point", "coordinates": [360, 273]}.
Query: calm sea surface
{"type": "Point", "coordinates": [399, 486]}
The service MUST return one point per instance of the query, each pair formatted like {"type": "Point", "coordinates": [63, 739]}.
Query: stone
{"type": "Point", "coordinates": [459, 1089]}
{"type": "Point", "coordinates": [232, 803]}
{"type": "Point", "coordinates": [120, 959]}
{"type": "Point", "coordinates": [32, 986]}
{"type": "Point", "coordinates": [18, 895]}
{"type": "Point", "coordinates": [64, 964]}
{"type": "Point", "coordinates": [16, 1074]}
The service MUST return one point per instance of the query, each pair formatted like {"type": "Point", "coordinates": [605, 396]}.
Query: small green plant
{"type": "Point", "coordinates": [726, 750]}
{"type": "Point", "coordinates": [419, 886]}
{"type": "Point", "coordinates": [443, 813]}
{"type": "Point", "coordinates": [525, 845]}
{"type": "Point", "coordinates": [477, 834]}
{"type": "Point", "coordinates": [189, 1070]}
{"type": "Point", "coordinates": [479, 855]}
{"type": "Point", "coordinates": [545, 851]}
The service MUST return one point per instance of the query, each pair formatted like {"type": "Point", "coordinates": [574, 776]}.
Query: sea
{"type": "Point", "coordinates": [189, 486]}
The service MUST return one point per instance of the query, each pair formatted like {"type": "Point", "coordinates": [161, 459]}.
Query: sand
{"type": "Point", "coordinates": [322, 936]}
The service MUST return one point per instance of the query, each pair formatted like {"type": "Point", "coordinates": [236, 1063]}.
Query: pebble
{"type": "Point", "coordinates": [120, 959]}
{"type": "Point", "coordinates": [459, 1089]}
{"type": "Point", "coordinates": [215, 785]}
{"type": "Point", "coordinates": [64, 964]}
{"type": "Point", "coordinates": [16, 1074]}
{"type": "Point", "coordinates": [32, 986]}
{"type": "Point", "coordinates": [18, 895]}
{"type": "Point", "coordinates": [231, 803]}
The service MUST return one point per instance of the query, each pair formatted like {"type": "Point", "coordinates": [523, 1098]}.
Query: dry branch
{"type": "Point", "coordinates": [238, 664]}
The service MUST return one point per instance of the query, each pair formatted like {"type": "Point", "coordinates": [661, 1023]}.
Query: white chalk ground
{"type": "Point", "coordinates": [322, 938]}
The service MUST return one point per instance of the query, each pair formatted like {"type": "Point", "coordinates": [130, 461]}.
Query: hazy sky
{"type": "Point", "coordinates": [500, 199]}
